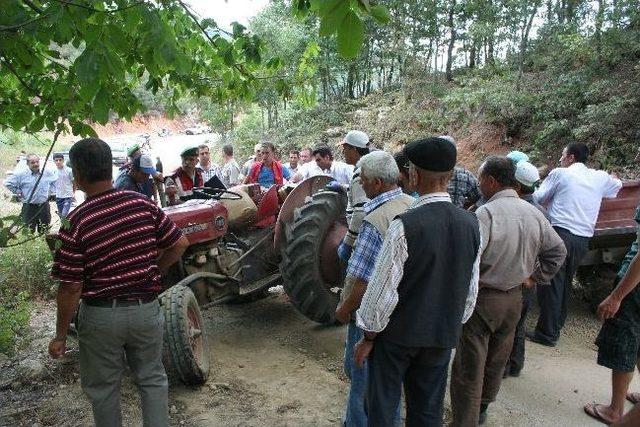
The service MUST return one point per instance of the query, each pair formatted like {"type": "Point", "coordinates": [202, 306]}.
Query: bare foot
{"type": "Point", "coordinates": [602, 413]}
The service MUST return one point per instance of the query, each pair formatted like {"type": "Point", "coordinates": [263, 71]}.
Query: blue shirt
{"type": "Point", "coordinates": [266, 177]}
{"type": "Point", "coordinates": [369, 242]}
{"type": "Point", "coordinates": [22, 182]}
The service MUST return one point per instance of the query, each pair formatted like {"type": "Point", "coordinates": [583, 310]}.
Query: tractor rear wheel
{"type": "Point", "coordinates": [185, 340]}
{"type": "Point", "coordinates": [310, 267]}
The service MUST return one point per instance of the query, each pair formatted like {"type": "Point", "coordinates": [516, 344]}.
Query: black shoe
{"type": "Point", "coordinates": [534, 337]}
{"type": "Point", "coordinates": [514, 373]}
{"type": "Point", "coordinates": [482, 418]}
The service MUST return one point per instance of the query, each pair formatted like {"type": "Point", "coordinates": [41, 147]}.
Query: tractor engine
{"type": "Point", "coordinates": [205, 224]}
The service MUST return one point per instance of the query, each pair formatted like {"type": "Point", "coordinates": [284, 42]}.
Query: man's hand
{"type": "Point", "coordinates": [342, 315]}
{"type": "Point", "coordinates": [57, 347]}
{"type": "Point", "coordinates": [609, 307]}
{"type": "Point", "coordinates": [362, 351]}
{"type": "Point", "coordinates": [529, 283]}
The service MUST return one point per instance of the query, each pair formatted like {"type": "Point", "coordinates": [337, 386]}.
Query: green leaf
{"type": "Point", "coordinates": [350, 35]}
{"type": "Point", "coordinates": [101, 106]}
{"type": "Point", "coordinates": [332, 14]}
{"type": "Point", "coordinates": [381, 14]}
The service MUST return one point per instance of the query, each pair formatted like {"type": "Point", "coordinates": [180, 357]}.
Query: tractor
{"type": "Point", "coordinates": [244, 240]}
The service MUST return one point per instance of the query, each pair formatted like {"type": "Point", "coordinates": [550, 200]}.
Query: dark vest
{"type": "Point", "coordinates": [442, 243]}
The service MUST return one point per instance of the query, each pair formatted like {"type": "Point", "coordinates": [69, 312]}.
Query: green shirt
{"type": "Point", "coordinates": [633, 250]}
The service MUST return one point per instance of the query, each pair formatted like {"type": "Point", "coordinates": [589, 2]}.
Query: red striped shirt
{"type": "Point", "coordinates": [111, 247]}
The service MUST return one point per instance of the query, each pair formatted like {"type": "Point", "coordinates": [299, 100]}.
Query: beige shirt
{"type": "Point", "coordinates": [515, 234]}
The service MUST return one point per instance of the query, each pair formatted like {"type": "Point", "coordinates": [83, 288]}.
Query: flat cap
{"type": "Point", "coordinates": [189, 151]}
{"type": "Point", "coordinates": [432, 154]}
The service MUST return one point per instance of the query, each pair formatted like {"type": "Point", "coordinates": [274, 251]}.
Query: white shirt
{"type": "Point", "coordinates": [340, 171]}
{"type": "Point", "coordinates": [381, 296]}
{"type": "Point", "coordinates": [293, 170]}
{"type": "Point", "coordinates": [573, 196]}
{"type": "Point", "coordinates": [230, 173]}
{"type": "Point", "coordinates": [213, 169]}
{"type": "Point", "coordinates": [64, 183]}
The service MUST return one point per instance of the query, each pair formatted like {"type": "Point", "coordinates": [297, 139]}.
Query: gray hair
{"type": "Point", "coordinates": [380, 165]}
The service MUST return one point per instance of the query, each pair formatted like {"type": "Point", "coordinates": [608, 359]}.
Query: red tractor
{"type": "Point", "coordinates": [244, 241]}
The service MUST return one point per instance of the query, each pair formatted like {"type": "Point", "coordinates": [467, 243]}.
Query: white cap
{"type": "Point", "coordinates": [527, 174]}
{"type": "Point", "coordinates": [146, 164]}
{"type": "Point", "coordinates": [355, 138]}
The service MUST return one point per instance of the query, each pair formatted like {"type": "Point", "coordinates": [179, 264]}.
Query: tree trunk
{"type": "Point", "coordinates": [452, 40]}
{"type": "Point", "coordinates": [598, 31]}
{"type": "Point", "coordinates": [524, 41]}
{"type": "Point", "coordinates": [472, 54]}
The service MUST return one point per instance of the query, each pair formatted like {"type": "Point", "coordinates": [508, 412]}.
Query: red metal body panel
{"type": "Point", "coordinates": [619, 213]}
{"type": "Point", "coordinates": [268, 208]}
{"type": "Point", "coordinates": [200, 220]}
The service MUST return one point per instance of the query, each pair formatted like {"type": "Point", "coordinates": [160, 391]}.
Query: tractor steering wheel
{"type": "Point", "coordinates": [216, 193]}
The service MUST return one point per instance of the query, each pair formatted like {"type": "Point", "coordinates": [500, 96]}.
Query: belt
{"type": "Point", "coordinates": [117, 302]}
{"type": "Point", "coordinates": [486, 288]}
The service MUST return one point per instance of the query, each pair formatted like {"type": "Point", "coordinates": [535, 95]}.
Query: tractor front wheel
{"type": "Point", "coordinates": [185, 340]}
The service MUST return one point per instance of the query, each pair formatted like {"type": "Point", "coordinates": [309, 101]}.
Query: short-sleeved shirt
{"type": "Point", "coordinates": [267, 179]}
{"type": "Point", "coordinates": [111, 246]}
{"type": "Point", "coordinates": [64, 183]}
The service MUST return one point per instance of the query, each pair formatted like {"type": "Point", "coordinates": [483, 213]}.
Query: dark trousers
{"type": "Point", "coordinates": [482, 353]}
{"type": "Point", "coordinates": [516, 358]}
{"type": "Point", "coordinates": [36, 216]}
{"type": "Point", "coordinates": [553, 298]}
{"type": "Point", "coordinates": [422, 370]}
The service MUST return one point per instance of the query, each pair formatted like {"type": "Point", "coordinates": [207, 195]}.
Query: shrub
{"type": "Point", "coordinates": [14, 317]}
{"type": "Point", "coordinates": [25, 268]}
{"type": "Point", "coordinates": [24, 272]}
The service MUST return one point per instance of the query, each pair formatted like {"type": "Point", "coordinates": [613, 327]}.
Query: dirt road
{"type": "Point", "coordinates": [273, 367]}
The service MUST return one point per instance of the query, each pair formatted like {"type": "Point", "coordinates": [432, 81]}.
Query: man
{"type": "Point", "coordinates": [35, 212]}
{"type": "Point", "coordinates": [572, 195]}
{"type": "Point", "coordinates": [180, 185]}
{"type": "Point", "coordinates": [305, 156]}
{"type": "Point", "coordinates": [257, 156]}
{"type": "Point", "coordinates": [325, 165]}
{"type": "Point", "coordinates": [463, 187]}
{"type": "Point", "coordinates": [514, 234]}
{"type": "Point", "coordinates": [231, 170]}
{"type": "Point", "coordinates": [403, 181]}
{"type": "Point", "coordinates": [269, 171]}
{"type": "Point", "coordinates": [379, 176]}
{"type": "Point", "coordinates": [294, 158]}
{"type": "Point", "coordinates": [115, 266]}
{"type": "Point", "coordinates": [65, 186]}
{"type": "Point", "coordinates": [527, 177]}
{"type": "Point", "coordinates": [619, 338]}
{"type": "Point", "coordinates": [354, 145]}
{"type": "Point", "coordinates": [423, 287]}
{"type": "Point", "coordinates": [209, 168]}
{"type": "Point", "coordinates": [137, 176]}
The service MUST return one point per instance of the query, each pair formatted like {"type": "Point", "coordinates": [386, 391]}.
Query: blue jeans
{"type": "Point", "coordinates": [356, 413]}
{"type": "Point", "coordinates": [63, 206]}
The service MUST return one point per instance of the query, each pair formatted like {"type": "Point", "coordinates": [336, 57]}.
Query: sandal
{"type": "Point", "coordinates": [591, 409]}
{"type": "Point", "coordinates": [633, 397]}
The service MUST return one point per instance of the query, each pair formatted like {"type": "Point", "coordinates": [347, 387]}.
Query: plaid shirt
{"type": "Point", "coordinates": [463, 186]}
{"type": "Point", "coordinates": [369, 242]}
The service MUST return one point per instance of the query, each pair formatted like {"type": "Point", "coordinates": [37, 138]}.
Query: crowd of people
{"type": "Point", "coordinates": [436, 259]}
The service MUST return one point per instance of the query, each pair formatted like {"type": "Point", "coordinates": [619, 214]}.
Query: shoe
{"type": "Point", "coordinates": [533, 337]}
{"type": "Point", "coordinates": [514, 373]}
{"type": "Point", "coordinates": [482, 418]}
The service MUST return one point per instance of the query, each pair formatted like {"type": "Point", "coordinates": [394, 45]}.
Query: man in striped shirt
{"type": "Point", "coordinates": [112, 256]}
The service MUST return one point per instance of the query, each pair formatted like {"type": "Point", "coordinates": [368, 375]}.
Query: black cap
{"type": "Point", "coordinates": [432, 154]}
